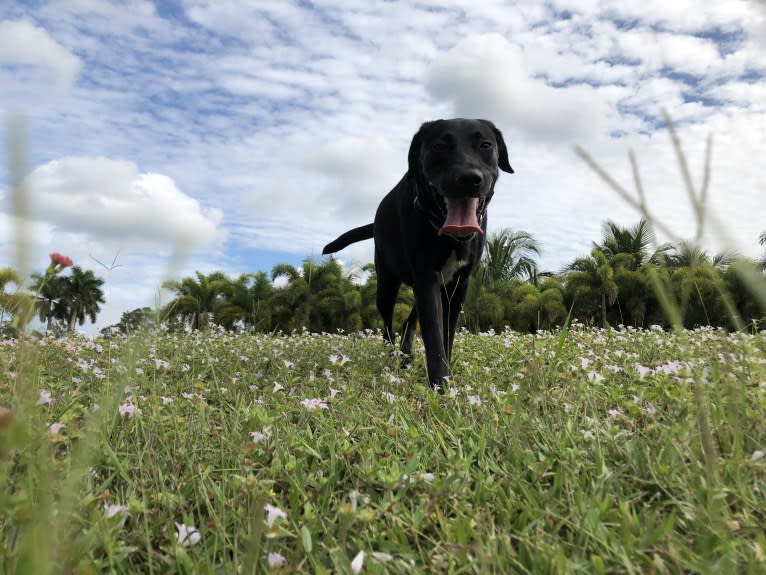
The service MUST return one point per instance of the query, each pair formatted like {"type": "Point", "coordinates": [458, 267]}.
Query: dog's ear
{"type": "Point", "coordinates": [413, 158]}
{"type": "Point", "coordinates": [502, 149]}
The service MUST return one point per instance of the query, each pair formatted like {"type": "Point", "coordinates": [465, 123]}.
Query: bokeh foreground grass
{"type": "Point", "coordinates": [583, 451]}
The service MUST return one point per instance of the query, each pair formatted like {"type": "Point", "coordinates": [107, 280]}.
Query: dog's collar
{"type": "Point", "coordinates": [435, 219]}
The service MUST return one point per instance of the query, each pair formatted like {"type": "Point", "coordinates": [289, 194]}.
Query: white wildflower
{"type": "Point", "coordinates": [187, 535]}
{"type": "Point", "coordinates": [313, 404]}
{"type": "Point", "coordinates": [357, 563]}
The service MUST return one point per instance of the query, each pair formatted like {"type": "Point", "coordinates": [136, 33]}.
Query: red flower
{"type": "Point", "coordinates": [63, 261]}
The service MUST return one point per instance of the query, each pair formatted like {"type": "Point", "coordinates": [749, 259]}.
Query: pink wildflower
{"type": "Point", "coordinates": [258, 436]}
{"type": "Point", "coordinates": [275, 560]}
{"type": "Point", "coordinates": [59, 260]}
{"type": "Point", "coordinates": [273, 513]}
{"type": "Point", "coordinates": [45, 397]}
{"type": "Point", "coordinates": [128, 409]}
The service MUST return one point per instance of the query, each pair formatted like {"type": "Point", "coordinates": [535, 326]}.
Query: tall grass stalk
{"type": "Point", "coordinates": [674, 310]}
{"type": "Point", "coordinates": [47, 501]}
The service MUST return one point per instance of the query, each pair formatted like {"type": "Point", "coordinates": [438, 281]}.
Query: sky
{"type": "Point", "coordinates": [155, 139]}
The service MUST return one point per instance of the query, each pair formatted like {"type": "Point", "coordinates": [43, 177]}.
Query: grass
{"type": "Point", "coordinates": [586, 451]}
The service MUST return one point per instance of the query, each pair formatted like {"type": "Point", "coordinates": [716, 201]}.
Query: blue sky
{"type": "Point", "coordinates": [234, 134]}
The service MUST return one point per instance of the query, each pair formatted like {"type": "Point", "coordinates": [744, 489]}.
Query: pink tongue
{"type": "Point", "coordinates": [461, 217]}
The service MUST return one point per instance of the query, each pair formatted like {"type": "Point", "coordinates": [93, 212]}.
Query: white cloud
{"type": "Point", "coordinates": [111, 199]}
{"type": "Point", "coordinates": [750, 95]}
{"type": "Point", "coordinates": [486, 76]}
{"type": "Point", "coordinates": [109, 18]}
{"type": "Point", "coordinates": [685, 15]}
{"type": "Point", "coordinates": [358, 174]}
{"type": "Point", "coordinates": [679, 52]}
{"type": "Point", "coordinates": [33, 54]}
{"type": "Point", "coordinates": [237, 18]}
{"type": "Point", "coordinates": [311, 195]}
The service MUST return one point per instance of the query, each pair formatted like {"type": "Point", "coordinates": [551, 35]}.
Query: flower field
{"type": "Point", "coordinates": [577, 451]}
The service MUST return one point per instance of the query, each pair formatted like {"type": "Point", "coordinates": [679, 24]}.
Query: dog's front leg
{"type": "Point", "coordinates": [429, 309]}
{"type": "Point", "coordinates": [453, 297]}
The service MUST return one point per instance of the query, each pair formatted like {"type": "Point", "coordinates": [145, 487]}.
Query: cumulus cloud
{"type": "Point", "coordinates": [486, 76]}
{"type": "Point", "coordinates": [358, 173]}
{"type": "Point", "coordinates": [304, 192]}
{"type": "Point", "coordinates": [679, 52]}
{"type": "Point", "coordinates": [32, 54]}
{"type": "Point", "coordinates": [109, 198]}
{"type": "Point", "coordinates": [687, 15]}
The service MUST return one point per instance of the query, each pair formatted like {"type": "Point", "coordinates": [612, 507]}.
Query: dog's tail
{"type": "Point", "coordinates": [350, 237]}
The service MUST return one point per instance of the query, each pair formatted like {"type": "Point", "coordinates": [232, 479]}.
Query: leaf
{"type": "Point", "coordinates": [306, 539]}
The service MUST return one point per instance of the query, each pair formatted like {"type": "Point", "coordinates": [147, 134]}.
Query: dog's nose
{"type": "Point", "coordinates": [472, 178]}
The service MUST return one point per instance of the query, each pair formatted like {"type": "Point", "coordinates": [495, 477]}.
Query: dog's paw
{"type": "Point", "coordinates": [440, 386]}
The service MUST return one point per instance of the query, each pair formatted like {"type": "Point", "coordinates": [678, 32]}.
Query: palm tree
{"type": "Point", "coordinates": [7, 303]}
{"type": "Point", "coordinates": [699, 298]}
{"type": "Point", "coordinates": [50, 303]}
{"type": "Point", "coordinates": [508, 255]}
{"type": "Point", "coordinates": [593, 276]}
{"type": "Point", "coordinates": [8, 275]}
{"type": "Point", "coordinates": [635, 297]}
{"type": "Point", "coordinates": [537, 307]}
{"type": "Point", "coordinates": [695, 278]}
{"type": "Point", "coordinates": [196, 299]}
{"type": "Point", "coordinates": [246, 300]}
{"type": "Point", "coordinates": [82, 296]}
{"type": "Point", "coordinates": [291, 303]}
{"type": "Point", "coordinates": [132, 321]}
{"type": "Point", "coordinates": [318, 297]}
{"type": "Point", "coordinates": [635, 241]}
{"type": "Point", "coordinates": [691, 255]}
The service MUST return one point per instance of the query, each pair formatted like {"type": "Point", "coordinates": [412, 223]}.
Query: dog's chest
{"type": "Point", "coordinates": [453, 265]}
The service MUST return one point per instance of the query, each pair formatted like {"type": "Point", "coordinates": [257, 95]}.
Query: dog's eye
{"type": "Point", "coordinates": [485, 145]}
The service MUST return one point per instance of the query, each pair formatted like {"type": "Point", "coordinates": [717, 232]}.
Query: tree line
{"type": "Point", "coordinates": [613, 285]}
{"type": "Point", "coordinates": [60, 302]}
{"type": "Point", "coordinates": [622, 281]}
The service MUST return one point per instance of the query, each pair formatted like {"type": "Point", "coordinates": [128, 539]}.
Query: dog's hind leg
{"type": "Point", "coordinates": [388, 288]}
{"type": "Point", "coordinates": [408, 333]}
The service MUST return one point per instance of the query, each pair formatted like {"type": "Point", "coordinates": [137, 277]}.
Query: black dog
{"type": "Point", "coordinates": [429, 231]}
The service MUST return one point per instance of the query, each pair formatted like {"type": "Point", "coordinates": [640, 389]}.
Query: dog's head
{"type": "Point", "coordinates": [455, 164]}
